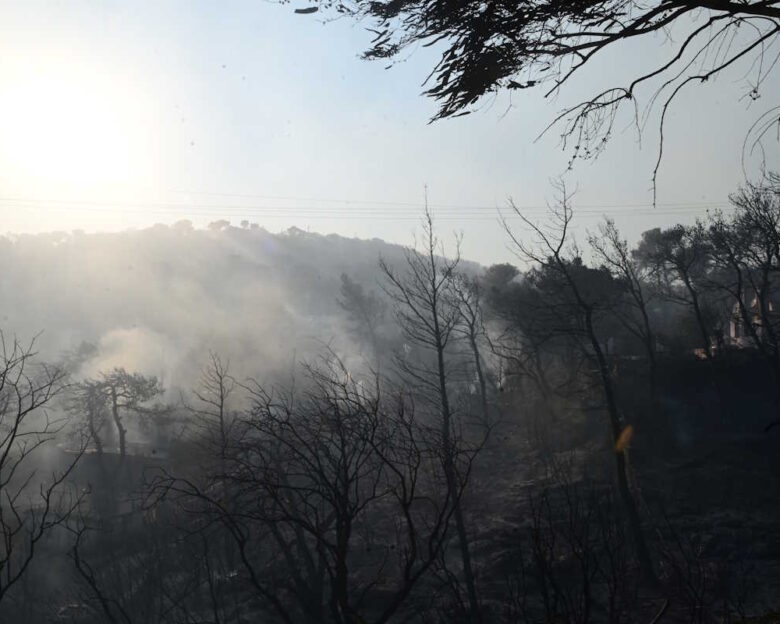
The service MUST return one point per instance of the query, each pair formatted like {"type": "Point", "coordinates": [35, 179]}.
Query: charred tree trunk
{"type": "Point", "coordinates": [452, 484]}
{"type": "Point", "coordinates": [621, 465]}
{"type": "Point", "coordinates": [120, 428]}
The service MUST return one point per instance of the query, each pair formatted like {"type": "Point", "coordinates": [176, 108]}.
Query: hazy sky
{"type": "Point", "coordinates": [118, 115]}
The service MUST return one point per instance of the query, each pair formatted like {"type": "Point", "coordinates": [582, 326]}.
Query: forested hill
{"type": "Point", "coordinates": [156, 300]}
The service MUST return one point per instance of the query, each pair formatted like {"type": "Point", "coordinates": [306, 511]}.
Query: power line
{"type": "Point", "coordinates": [401, 210]}
{"type": "Point", "coordinates": [316, 214]}
{"type": "Point", "coordinates": [362, 202]}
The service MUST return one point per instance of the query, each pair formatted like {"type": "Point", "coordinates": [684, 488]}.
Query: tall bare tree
{"type": "Point", "coordinates": [429, 313]}
{"type": "Point", "coordinates": [579, 298]}
{"type": "Point", "coordinates": [469, 295]}
{"type": "Point", "coordinates": [213, 411]}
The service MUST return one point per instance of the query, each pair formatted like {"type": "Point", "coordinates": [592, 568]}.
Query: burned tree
{"type": "Point", "coordinates": [469, 296]}
{"type": "Point", "coordinates": [429, 312]}
{"type": "Point", "coordinates": [212, 409]}
{"type": "Point", "coordinates": [331, 496]}
{"type": "Point", "coordinates": [579, 303]}
{"type": "Point", "coordinates": [31, 507]}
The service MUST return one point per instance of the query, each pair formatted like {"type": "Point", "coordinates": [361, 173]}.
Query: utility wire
{"type": "Point", "coordinates": [377, 210]}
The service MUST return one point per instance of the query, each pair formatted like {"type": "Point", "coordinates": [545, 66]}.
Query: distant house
{"type": "Point", "coordinates": [743, 332]}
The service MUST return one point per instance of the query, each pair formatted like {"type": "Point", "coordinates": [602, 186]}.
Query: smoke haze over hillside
{"type": "Point", "coordinates": [157, 300]}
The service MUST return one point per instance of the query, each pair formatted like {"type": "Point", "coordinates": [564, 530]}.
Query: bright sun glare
{"type": "Point", "coordinates": [74, 128]}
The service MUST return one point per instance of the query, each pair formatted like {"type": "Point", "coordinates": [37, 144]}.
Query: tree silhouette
{"type": "Point", "coordinates": [31, 507]}
{"type": "Point", "coordinates": [429, 312]}
{"type": "Point", "coordinates": [613, 252]}
{"type": "Point", "coordinates": [580, 301]}
{"type": "Point", "coordinates": [331, 496]}
{"type": "Point", "coordinates": [678, 261]}
{"type": "Point", "coordinates": [498, 45]}
{"type": "Point", "coordinates": [102, 404]}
